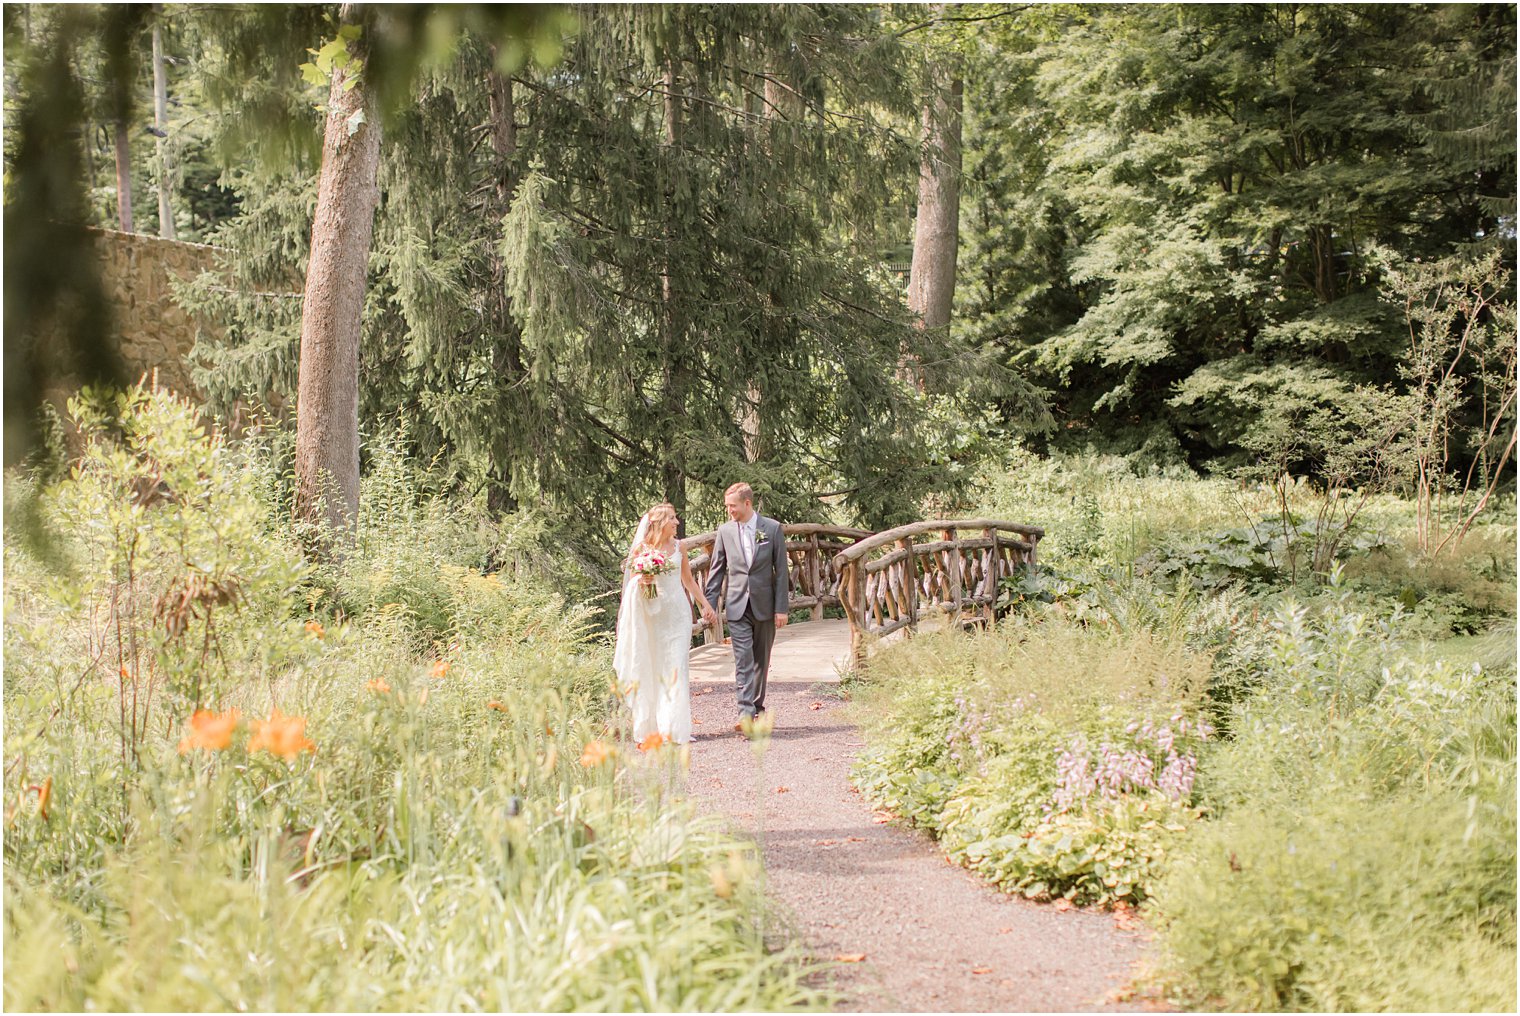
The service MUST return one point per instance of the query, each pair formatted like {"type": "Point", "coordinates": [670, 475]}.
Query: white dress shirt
{"type": "Point", "coordinates": [747, 539]}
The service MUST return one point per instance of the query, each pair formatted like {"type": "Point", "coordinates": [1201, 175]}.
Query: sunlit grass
{"type": "Point", "coordinates": [390, 809]}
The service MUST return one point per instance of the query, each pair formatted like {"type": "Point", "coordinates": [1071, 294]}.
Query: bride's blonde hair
{"type": "Point", "coordinates": [660, 527]}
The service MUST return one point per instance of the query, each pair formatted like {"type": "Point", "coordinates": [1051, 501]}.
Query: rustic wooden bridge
{"type": "Point", "coordinates": [948, 570]}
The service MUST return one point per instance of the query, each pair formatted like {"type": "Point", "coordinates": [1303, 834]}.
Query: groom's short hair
{"type": "Point", "coordinates": [742, 491]}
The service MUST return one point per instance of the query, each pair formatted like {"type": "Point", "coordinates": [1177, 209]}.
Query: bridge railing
{"type": "Point", "coordinates": [890, 580]}
{"type": "Point", "coordinates": [809, 549]}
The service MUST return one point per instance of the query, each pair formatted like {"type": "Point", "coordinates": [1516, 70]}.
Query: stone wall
{"type": "Point", "coordinates": [154, 332]}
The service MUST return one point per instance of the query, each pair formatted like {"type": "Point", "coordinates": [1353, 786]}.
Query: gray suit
{"type": "Point", "coordinates": [757, 592]}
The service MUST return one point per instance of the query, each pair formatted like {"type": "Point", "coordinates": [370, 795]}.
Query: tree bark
{"type": "Point", "coordinates": [327, 411]}
{"type": "Point", "coordinates": [161, 122]}
{"type": "Point", "coordinates": [931, 283]}
{"type": "Point", "coordinates": [123, 177]}
{"type": "Point", "coordinates": [673, 477]}
{"type": "Point", "coordinates": [506, 351]}
{"type": "Point", "coordinates": [780, 103]}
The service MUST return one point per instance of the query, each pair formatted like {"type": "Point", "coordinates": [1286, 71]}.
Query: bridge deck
{"type": "Point", "coordinates": [811, 651]}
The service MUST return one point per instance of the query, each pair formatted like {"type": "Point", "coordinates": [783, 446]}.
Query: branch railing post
{"type": "Point", "coordinates": [880, 576]}
{"type": "Point", "coordinates": [953, 572]}
{"type": "Point", "coordinates": [910, 581]}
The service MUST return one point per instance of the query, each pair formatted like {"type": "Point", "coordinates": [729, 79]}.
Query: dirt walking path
{"type": "Point", "coordinates": [933, 937]}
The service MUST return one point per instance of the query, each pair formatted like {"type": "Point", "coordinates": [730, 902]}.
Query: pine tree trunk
{"type": "Point", "coordinates": [327, 411]}
{"type": "Point", "coordinates": [506, 352]}
{"type": "Point", "coordinates": [123, 177]}
{"type": "Point", "coordinates": [673, 477]}
{"type": "Point", "coordinates": [161, 121]}
{"type": "Point", "coordinates": [931, 284]}
{"type": "Point", "coordinates": [780, 103]}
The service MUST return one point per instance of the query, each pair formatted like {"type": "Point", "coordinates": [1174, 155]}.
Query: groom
{"type": "Point", "coordinates": [750, 551]}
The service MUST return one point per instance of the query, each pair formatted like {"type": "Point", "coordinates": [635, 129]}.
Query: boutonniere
{"type": "Point", "coordinates": [761, 536]}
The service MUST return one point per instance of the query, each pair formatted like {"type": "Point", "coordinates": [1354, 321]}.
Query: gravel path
{"type": "Point", "coordinates": [933, 937]}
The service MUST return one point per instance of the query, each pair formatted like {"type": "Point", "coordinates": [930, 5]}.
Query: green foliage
{"type": "Point", "coordinates": [439, 844]}
{"type": "Point", "coordinates": [1276, 905]}
{"type": "Point", "coordinates": [1259, 555]}
{"type": "Point", "coordinates": [1182, 218]}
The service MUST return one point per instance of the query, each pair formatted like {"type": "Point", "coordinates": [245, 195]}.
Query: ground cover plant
{"type": "Point", "coordinates": [1307, 784]}
{"type": "Point", "coordinates": [218, 797]}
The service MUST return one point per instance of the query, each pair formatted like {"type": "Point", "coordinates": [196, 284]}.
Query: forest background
{"type": "Point", "coordinates": [632, 253]}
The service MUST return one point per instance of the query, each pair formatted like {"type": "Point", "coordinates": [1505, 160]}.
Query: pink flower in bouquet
{"type": "Point", "coordinates": [647, 564]}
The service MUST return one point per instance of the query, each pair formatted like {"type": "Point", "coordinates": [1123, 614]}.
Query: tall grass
{"type": "Point", "coordinates": [465, 831]}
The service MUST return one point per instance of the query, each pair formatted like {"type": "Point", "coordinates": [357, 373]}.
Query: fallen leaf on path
{"type": "Point", "coordinates": [850, 958]}
{"type": "Point", "coordinates": [881, 817]}
{"type": "Point", "coordinates": [1005, 931]}
{"type": "Point", "coordinates": [981, 970]}
{"type": "Point", "coordinates": [824, 843]}
{"type": "Point", "coordinates": [816, 705]}
{"type": "Point", "coordinates": [855, 839]}
{"type": "Point", "coordinates": [783, 790]}
{"type": "Point", "coordinates": [1063, 904]}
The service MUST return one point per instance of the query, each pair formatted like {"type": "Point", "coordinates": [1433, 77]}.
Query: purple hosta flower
{"type": "Point", "coordinates": [1113, 770]}
{"type": "Point", "coordinates": [967, 731]}
{"type": "Point", "coordinates": [1121, 772]}
{"type": "Point", "coordinates": [1075, 781]}
{"type": "Point", "coordinates": [1176, 780]}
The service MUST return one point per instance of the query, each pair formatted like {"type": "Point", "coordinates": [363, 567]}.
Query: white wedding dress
{"type": "Point", "coordinates": [652, 657]}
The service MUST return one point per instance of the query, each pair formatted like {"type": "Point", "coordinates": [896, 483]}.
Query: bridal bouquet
{"type": "Point", "coordinates": [650, 563]}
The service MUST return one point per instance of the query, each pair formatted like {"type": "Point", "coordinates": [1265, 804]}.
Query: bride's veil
{"type": "Point", "coordinates": [619, 661]}
{"type": "Point", "coordinates": [638, 540]}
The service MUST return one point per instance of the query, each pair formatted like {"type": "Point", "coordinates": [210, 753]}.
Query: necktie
{"type": "Point", "coordinates": [747, 537]}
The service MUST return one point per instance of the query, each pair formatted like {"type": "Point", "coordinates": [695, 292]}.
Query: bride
{"type": "Point", "coordinates": [653, 647]}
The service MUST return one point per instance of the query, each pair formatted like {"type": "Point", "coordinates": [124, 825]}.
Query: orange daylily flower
{"type": "Point", "coordinates": [378, 685]}
{"type": "Point", "coordinates": [440, 668]}
{"type": "Point", "coordinates": [210, 731]}
{"type": "Point", "coordinates": [595, 754]}
{"type": "Point", "coordinates": [493, 704]}
{"type": "Point", "coordinates": [315, 629]}
{"type": "Point", "coordinates": [44, 795]}
{"type": "Point", "coordinates": [652, 742]}
{"type": "Point", "coordinates": [281, 735]}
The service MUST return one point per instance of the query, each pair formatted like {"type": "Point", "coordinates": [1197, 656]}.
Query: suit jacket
{"type": "Point", "coordinates": [763, 584]}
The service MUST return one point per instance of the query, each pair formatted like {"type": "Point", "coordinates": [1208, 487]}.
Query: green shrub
{"type": "Point", "coordinates": [1345, 905]}
{"type": "Point", "coordinates": [1053, 758]}
{"type": "Point", "coordinates": [1461, 592]}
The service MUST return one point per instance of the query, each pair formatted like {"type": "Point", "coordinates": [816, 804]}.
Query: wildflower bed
{"type": "Point", "coordinates": [237, 783]}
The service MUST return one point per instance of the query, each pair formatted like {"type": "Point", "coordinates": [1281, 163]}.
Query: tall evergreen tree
{"type": "Point", "coordinates": [599, 347]}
